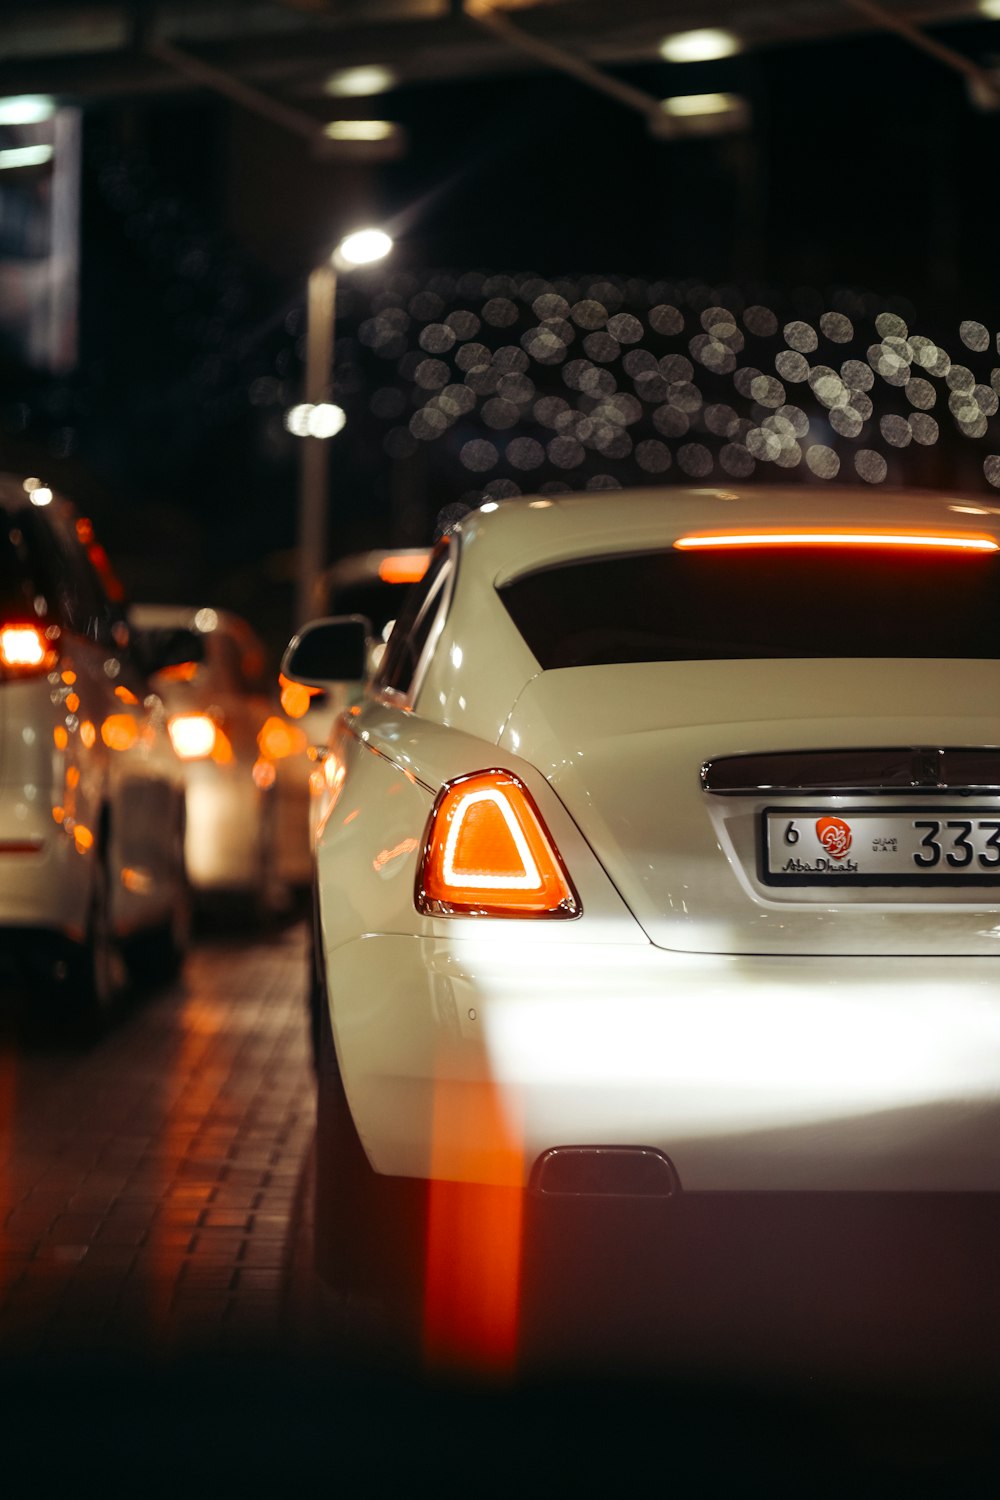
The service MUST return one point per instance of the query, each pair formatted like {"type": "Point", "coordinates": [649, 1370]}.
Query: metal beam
{"type": "Point", "coordinates": [484, 15]}
{"type": "Point", "coordinates": [285, 116]}
{"type": "Point", "coordinates": [983, 82]}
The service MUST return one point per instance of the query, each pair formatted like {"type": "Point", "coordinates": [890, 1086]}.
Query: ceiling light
{"type": "Point", "coordinates": [686, 106]}
{"type": "Point", "coordinates": [355, 83]}
{"type": "Point", "coordinates": [26, 109]}
{"type": "Point", "coordinates": [699, 46]}
{"type": "Point", "coordinates": [360, 130]}
{"type": "Point", "coordinates": [701, 114]}
{"type": "Point", "coordinates": [24, 156]}
{"type": "Point", "coordinates": [990, 9]}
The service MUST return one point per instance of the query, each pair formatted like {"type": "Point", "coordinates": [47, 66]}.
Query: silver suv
{"type": "Point", "coordinates": [91, 794]}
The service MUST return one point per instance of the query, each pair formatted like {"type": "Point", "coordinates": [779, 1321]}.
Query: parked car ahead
{"type": "Point", "coordinates": [662, 857]}
{"type": "Point", "coordinates": [367, 585]}
{"type": "Point", "coordinates": [244, 760]}
{"type": "Point", "coordinates": [92, 807]}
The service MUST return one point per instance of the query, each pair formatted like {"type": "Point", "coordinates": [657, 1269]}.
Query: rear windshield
{"type": "Point", "coordinates": [45, 572]}
{"type": "Point", "coordinates": [19, 586]}
{"type": "Point", "coordinates": [760, 602]}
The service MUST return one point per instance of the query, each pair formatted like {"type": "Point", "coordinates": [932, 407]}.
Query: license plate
{"type": "Point", "coordinates": [887, 846]}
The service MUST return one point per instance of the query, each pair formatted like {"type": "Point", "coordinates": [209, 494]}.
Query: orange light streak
{"type": "Point", "coordinates": [386, 856]}
{"type": "Point", "coordinates": [472, 1279]}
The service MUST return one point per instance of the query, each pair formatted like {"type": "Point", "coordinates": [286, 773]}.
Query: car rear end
{"type": "Point", "coordinates": [768, 757]}
{"type": "Point", "coordinates": [41, 888]}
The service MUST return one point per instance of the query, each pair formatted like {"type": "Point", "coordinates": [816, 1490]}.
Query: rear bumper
{"type": "Point", "coordinates": [470, 1059]}
{"type": "Point", "coordinates": [45, 888]}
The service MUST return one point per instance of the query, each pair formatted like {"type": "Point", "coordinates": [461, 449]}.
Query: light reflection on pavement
{"type": "Point", "coordinates": [148, 1182]}
{"type": "Point", "coordinates": [156, 1280]}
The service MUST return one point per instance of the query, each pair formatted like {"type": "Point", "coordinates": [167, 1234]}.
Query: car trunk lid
{"type": "Point", "coordinates": [624, 747]}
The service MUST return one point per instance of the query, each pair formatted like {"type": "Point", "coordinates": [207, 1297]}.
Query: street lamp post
{"type": "Point", "coordinates": [319, 420]}
{"type": "Point", "coordinates": [321, 304]}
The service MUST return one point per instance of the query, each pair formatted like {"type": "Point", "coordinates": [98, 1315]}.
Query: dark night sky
{"type": "Point", "coordinates": [867, 171]}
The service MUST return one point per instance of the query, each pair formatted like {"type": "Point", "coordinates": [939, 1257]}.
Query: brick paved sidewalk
{"type": "Point", "coordinates": [157, 1296]}
{"type": "Point", "coordinates": [149, 1185]}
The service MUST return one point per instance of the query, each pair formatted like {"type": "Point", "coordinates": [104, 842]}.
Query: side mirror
{"type": "Point", "coordinates": [156, 649]}
{"type": "Point", "coordinates": [331, 650]}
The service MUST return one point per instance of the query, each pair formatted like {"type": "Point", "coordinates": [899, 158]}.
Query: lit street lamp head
{"type": "Point", "coordinates": [361, 248]}
{"type": "Point", "coordinates": [322, 420]}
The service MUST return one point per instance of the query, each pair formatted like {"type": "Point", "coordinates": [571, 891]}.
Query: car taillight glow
{"type": "Point", "coordinates": [192, 735]}
{"type": "Point", "coordinates": [488, 853]}
{"type": "Point", "coordinates": [954, 541]}
{"type": "Point", "coordinates": [25, 648]}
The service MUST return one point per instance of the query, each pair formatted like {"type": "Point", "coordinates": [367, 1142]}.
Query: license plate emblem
{"type": "Point", "coordinates": [916, 846]}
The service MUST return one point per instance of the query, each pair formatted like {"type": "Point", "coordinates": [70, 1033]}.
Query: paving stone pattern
{"type": "Point", "coordinates": [150, 1185]}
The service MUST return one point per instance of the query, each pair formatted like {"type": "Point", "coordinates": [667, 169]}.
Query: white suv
{"type": "Point", "coordinates": [91, 794]}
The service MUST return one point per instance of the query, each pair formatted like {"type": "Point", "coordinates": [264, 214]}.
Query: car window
{"type": "Point", "coordinates": [44, 570]}
{"type": "Point", "coordinates": [413, 627]}
{"type": "Point", "coordinates": [83, 596]}
{"type": "Point", "coordinates": [760, 602]}
{"type": "Point", "coordinates": [18, 586]}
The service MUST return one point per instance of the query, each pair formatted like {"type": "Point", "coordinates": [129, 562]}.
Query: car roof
{"type": "Point", "coordinates": [512, 537]}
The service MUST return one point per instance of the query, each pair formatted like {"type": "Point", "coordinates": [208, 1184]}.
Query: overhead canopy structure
{"type": "Point", "coordinates": [298, 52]}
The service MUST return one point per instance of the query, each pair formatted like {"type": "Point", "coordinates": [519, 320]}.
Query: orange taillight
{"type": "Point", "coordinates": [488, 853]}
{"type": "Point", "coordinates": [25, 648]}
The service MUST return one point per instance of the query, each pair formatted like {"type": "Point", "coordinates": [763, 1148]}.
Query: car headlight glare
{"type": "Point", "coordinates": [192, 736]}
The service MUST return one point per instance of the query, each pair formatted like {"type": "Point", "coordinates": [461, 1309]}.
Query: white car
{"type": "Point", "coordinates": [92, 803]}
{"type": "Point", "coordinates": [663, 857]}
{"type": "Point", "coordinates": [244, 762]}
{"type": "Point", "coordinates": [371, 585]}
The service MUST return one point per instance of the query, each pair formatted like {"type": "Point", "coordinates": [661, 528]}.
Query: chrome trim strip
{"type": "Point", "coordinates": [856, 772]}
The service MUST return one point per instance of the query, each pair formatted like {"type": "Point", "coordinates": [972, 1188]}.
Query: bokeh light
{"type": "Point", "coordinates": [526, 382]}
